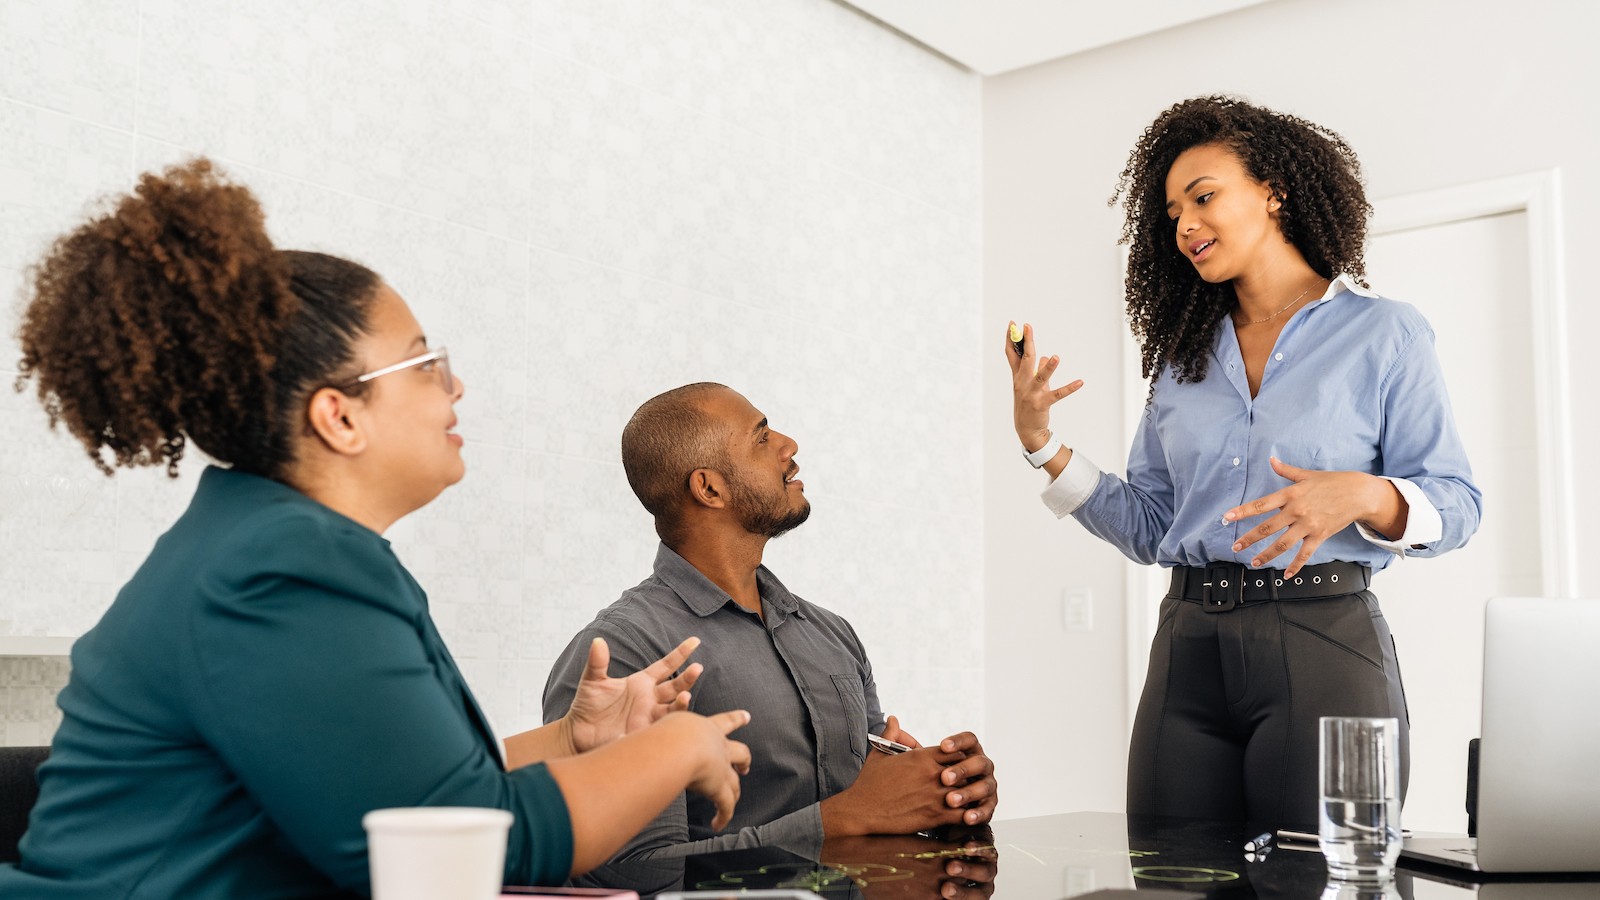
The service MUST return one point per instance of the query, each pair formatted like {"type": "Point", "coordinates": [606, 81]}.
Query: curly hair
{"type": "Point", "coordinates": [1172, 311]}
{"type": "Point", "coordinates": [172, 318]}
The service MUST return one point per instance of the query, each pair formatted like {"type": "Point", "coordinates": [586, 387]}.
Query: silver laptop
{"type": "Point", "coordinates": [1539, 762]}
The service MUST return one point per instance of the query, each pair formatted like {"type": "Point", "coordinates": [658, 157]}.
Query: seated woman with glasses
{"type": "Point", "coordinates": [271, 672]}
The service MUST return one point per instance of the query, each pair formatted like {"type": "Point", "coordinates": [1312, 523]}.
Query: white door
{"type": "Point", "coordinates": [1471, 280]}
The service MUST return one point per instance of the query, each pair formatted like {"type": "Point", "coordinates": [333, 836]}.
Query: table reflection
{"type": "Point", "coordinates": [1070, 855]}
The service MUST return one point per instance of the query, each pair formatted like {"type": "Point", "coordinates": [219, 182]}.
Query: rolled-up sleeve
{"type": "Point", "coordinates": [1420, 445]}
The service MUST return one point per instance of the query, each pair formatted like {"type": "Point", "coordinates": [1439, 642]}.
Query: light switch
{"type": "Point", "coordinates": [1078, 609]}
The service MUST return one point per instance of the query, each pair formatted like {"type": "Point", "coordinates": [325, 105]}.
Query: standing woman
{"type": "Point", "coordinates": [271, 672]}
{"type": "Point", "coordinates": [1297, 438]}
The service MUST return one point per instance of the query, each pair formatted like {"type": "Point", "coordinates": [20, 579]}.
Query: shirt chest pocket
{"type": "Point", "coordinates": [853, 712]}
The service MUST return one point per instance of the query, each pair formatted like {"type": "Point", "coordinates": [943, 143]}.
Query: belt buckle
{"type": "Point", "coordinates": [1222, 590]}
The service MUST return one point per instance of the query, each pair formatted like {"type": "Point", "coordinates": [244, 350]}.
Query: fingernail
{"type": "Point", "coordinates": [1227, 517]}
{"type": "Point", "coordinates": [1237, 547]}
{"type": "Point", "coordinates": [956, 799]}
{"type": "Point", "coordinates": [955, 869]}
{"type": "Point", "coordinates": [1255, 563]}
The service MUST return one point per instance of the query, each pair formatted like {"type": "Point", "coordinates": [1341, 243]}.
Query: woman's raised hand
{"type": "Point", "coordinates": [605, 708]}
{"type": "Point", "coordinates": [1031, 393]}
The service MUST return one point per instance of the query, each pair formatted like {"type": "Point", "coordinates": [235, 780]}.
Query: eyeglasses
{"type": "Point", "coordinates": [436, 361]}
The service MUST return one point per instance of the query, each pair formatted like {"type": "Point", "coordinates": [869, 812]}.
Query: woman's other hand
{"type": "Point", "coordinates": [1315, 507]}
{"type": "Point", "coordinates": [616, 790]}
{"type": "Point", "coordinates": [721, 760]}
{"type": "Point", "coordinates": [1031, 393]}
{"type": "Point", "coordinates": [605, 708]}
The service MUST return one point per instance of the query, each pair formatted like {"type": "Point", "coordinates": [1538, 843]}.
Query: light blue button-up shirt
{"type": "Point", "coordinates": [1353, 384]}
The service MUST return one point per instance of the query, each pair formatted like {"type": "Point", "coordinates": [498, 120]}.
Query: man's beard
{"type": "Point", "coordinates": [760, 513]}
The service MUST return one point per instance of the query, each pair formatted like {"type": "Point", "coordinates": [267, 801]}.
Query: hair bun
{"type": "Point", "coordinates": [159, 321]}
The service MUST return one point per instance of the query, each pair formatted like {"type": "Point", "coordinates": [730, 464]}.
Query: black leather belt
{"type": "Point", "coordinates": [1219, 587]}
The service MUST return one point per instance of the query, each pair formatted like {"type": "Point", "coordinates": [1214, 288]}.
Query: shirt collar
{"type": "Point", "coordinates": [1342, 282]}
{"type": "Point", "coordinates": [703, 597]}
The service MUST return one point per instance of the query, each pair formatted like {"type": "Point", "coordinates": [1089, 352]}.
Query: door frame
{"type": "Point", "coordinates": [1537, 195]}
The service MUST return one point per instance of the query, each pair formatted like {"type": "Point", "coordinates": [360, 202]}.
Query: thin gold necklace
{"type": "Point", "coordinates": [1280, 312]}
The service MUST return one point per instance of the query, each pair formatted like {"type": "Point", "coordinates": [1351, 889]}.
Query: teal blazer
{"type": "Point", "coordinates": [269, 675]}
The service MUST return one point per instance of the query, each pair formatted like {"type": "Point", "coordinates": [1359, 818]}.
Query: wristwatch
{"type": "Point", "coordinates": [1044, 454]}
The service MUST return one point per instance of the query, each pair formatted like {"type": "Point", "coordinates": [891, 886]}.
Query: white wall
{"type": "Point", "coordinates": [588, 202]}
{"type": "Point", "coordinates": [1429, 92]}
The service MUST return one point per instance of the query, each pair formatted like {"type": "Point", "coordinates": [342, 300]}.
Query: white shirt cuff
{"type": "Point", "coordinates": [1071, 489]}
{"type": "Point", "coordinates": [1423, 525]}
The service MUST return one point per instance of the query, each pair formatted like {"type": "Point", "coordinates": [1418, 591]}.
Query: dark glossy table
{"type": "Point", "coordinates": [1069, 855]}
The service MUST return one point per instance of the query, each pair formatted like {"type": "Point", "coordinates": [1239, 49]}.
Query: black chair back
{"type": "Point", "coordinates": [19, 788]}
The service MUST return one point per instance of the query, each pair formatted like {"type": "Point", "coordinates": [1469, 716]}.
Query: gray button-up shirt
{"type": "Point", "coordinates": [799, 669]}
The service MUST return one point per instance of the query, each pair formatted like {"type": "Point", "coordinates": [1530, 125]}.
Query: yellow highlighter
{"type": "Point", "coordinates": [1016, 338]}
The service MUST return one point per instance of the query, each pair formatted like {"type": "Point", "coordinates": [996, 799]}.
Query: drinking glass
{"type": "Point", "coordinates": [1352, 890]}
{"type": "Point", "coordinates": [1359, 818]}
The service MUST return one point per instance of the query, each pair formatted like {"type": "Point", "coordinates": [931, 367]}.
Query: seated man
{"type": "Point", "coordinates": [721, 483]}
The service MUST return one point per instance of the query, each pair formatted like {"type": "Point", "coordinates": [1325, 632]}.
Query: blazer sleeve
{"type": "Point", "coordinates": [316, 686]}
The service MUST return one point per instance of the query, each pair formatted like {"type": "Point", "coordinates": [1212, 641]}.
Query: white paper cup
{"type": "Point", "coordinates": [436, 852]}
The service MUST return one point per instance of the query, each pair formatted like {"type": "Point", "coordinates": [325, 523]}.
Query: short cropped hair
{"type": "Point", "coordinates": [667, 438]}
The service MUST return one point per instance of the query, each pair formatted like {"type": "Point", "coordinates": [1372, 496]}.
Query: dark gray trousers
{"type": "Point", "coordinates": [1227, 724]}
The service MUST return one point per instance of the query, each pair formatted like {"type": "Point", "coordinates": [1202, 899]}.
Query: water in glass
{"type": "Point", "coordinates": [1360, 838]}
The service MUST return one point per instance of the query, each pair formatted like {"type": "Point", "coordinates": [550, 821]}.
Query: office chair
{"type": "Point", "coordinates": [18, 790]}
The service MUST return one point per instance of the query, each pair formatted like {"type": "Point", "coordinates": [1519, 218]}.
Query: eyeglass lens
{"type": "Point", "coordinates": [446, 379]}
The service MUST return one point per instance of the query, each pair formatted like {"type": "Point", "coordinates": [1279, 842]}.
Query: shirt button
{"type": "Point", "coordinates": [1278, 357]}
{"type": "Point", "coordinates": [1236, 460]}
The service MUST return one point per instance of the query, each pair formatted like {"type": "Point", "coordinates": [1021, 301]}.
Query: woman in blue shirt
{"type": "Point", "coordinates": [271, 673]}
{"type": "Point", "coordinates": [1297, 438]}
